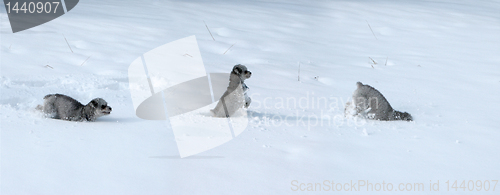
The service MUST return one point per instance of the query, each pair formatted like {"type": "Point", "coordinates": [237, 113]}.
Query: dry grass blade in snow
{"type": "Point", "coordinates": [67, 43]}
{"type": "Point", "coordinates": [209, 30]}
{"type": "Point", "coordinates": [229, 48]}
{"type": "Point", "coordinates": [298, 77]}
{"type": "Point", "coordinates": [371, 29]}
{"type": "Point", "coordinates": [85, 60]}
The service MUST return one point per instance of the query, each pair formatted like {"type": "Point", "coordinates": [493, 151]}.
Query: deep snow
{"type": "Point", "coordinates": [437, 60]}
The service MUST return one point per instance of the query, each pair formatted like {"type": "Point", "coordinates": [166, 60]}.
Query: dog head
{"type": "Point", "coordinates": [241, 71]}
{"type": "Point", "coordinates": [101, 107]}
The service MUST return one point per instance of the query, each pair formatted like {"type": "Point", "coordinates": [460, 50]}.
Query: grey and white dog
{"type": "Point", "coordinates": [235, 96]}
{"type": "Point", "coordinates": [370, 103]}
{"type": "Point", "coordinates": [63, 107]}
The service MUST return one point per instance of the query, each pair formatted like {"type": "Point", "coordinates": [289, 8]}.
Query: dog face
{"type": "Point", "coordinates": [241, 71]}
{"type": "Point", "coordinates": [101, 107]}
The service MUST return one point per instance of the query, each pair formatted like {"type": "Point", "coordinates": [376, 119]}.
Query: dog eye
{"type": "Point", "coordinates": [103, 106]}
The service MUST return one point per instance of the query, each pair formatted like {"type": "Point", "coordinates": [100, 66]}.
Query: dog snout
{"type": "Point", "coordinates": [110, 108]}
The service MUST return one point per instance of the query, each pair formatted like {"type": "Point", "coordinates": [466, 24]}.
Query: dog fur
{"type": "Point", "coordinates": [370, 103]}
{"type": "Point", "coordinates": [235, 96]}
{"type": "Point", "coordinates": [58, 106]}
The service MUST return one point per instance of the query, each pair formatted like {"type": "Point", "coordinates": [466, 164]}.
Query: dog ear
{"type": "Point", "coordinates": [94, 103]}
{"type": "Point", "coordinates": [237, 70]}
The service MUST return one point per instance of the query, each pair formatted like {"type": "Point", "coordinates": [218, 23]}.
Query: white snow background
{"type": "Point", "coordinates": [438, 60]}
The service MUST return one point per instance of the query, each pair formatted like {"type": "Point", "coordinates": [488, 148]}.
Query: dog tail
{"type": "Point", "coordinates": [39, 107]}
{"type": "Point", "coordinates": [405, 116]}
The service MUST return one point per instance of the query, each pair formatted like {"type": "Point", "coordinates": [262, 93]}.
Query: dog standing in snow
{"type": "Point", "coordinates": [63, 107]}
{"type": "Point", "coordinates": [370, 103]}
{"type": "Point", "coordinates": [235, 96]}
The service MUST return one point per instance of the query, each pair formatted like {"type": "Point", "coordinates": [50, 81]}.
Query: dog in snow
{"type": "Point", "coordinates": [370, 103]}
{"type": "Point", "coordinates": [63, 107]}
{"type": "Point", "coordinates": [235, 96]}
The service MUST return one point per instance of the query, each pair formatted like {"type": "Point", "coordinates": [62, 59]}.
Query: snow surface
{"type": "Point", "coordinates": [437, 59]}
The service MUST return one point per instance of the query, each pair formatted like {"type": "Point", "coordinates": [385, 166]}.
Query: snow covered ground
{"type": "Point", "coordinates": [437, 59]}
